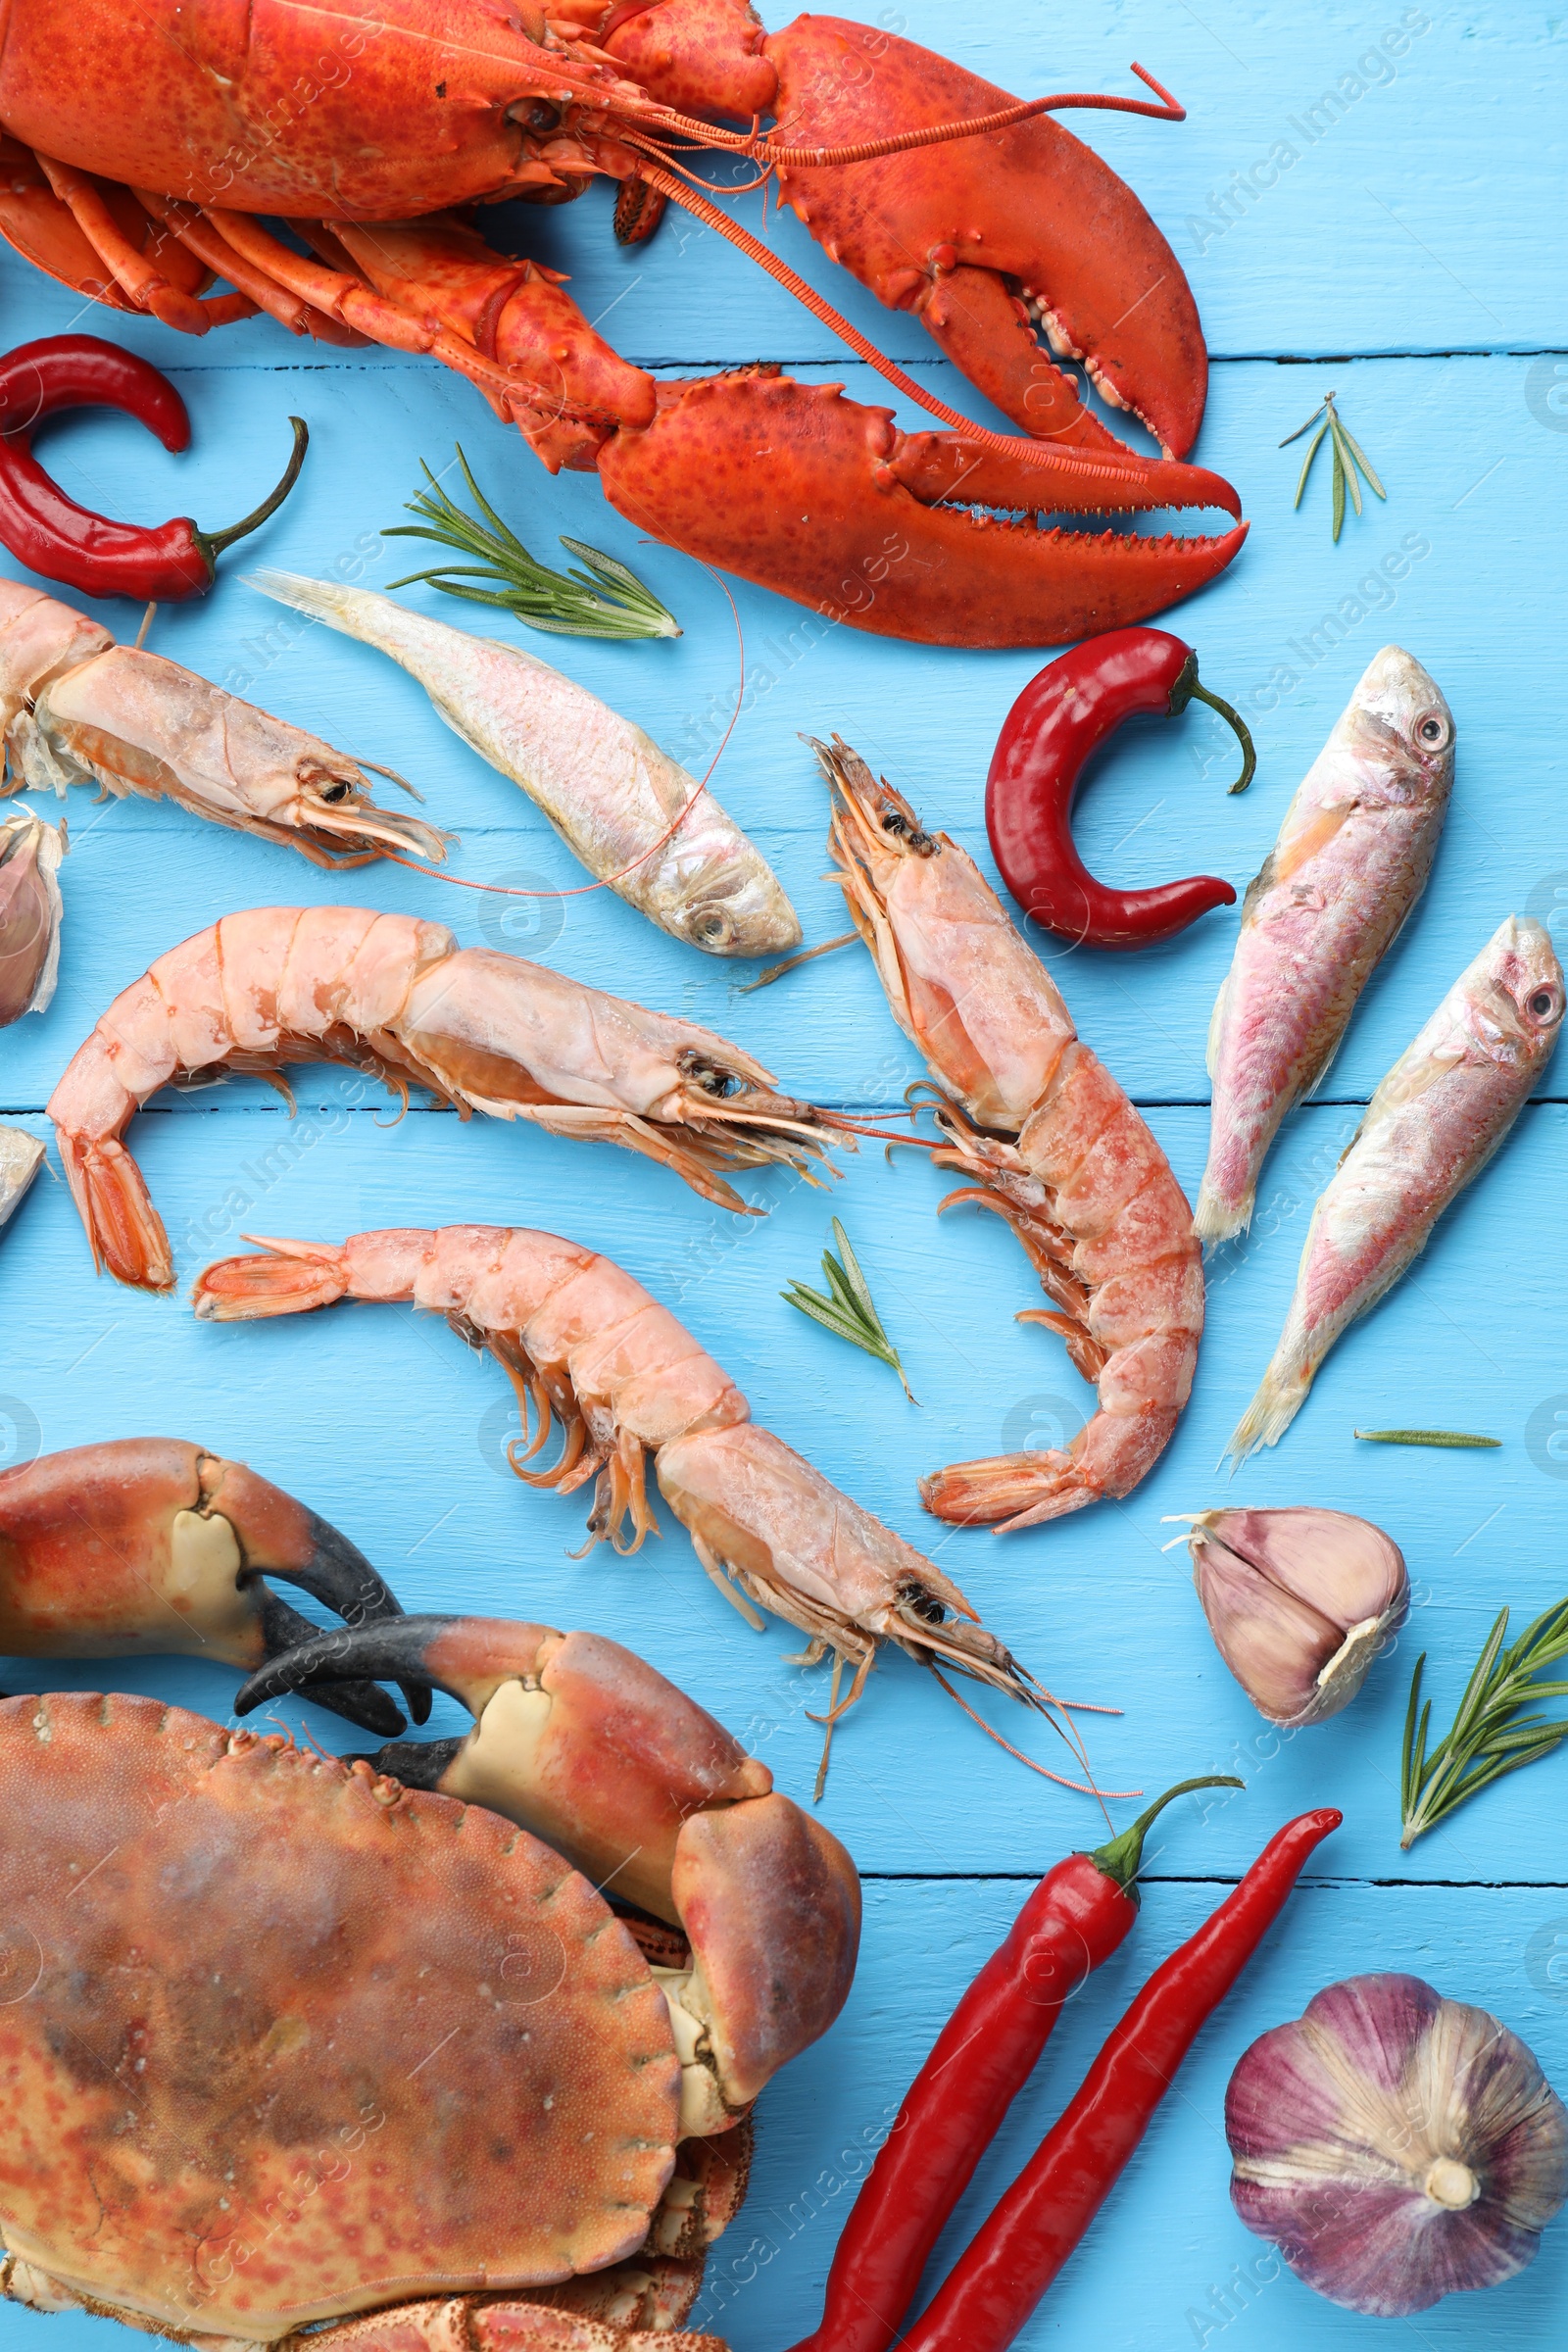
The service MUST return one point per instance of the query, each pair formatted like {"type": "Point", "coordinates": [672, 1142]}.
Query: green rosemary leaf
{"type": "Point", "coordinates": [851, 1312]}
{"type": "Point", "coordinates": [1339, 492]}
{"type": "Point", "coordinates": [1306, 464]}
{"type": "Point", "coordinates": [1422, 1437]}
{"type": "Point", "coordinates": [1302, 428]}
{"type": "Point", "coordinates": [1350, 462]}
{"type": "Point", "coordinates": [605, 599]}
{"type": "Point", "coordinates": [1495, 1730]}
{"type": "Point", "coordinates": [1347, 462]}
{"type": "Point", "coordinates": [851, 1268]}
{"type": "Point", "coordinates": [1359, 455]}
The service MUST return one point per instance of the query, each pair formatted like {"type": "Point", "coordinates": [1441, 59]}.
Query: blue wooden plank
{"type": "Point", "coordinates": [1407, 222]}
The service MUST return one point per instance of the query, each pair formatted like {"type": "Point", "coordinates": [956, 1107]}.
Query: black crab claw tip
{"type": "Point", "coordinates": [401, 1650]}
{"type": "Point", "coordinates": [337, 1574]}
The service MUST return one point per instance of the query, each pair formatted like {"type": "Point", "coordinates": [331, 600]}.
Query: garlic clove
{"type": "Point", "coordinates": [30, 914]}
{"type": "Point", "coordinates": [1396, 2146]}
{"type": "Point", "coordinates": [1300, 1602]}
{"type": "Point", "coordinates": [1343, 1565]}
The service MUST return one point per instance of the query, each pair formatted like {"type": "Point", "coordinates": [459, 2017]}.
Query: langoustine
{"type": "Point", "coordinates": [152, 1547]}
{"type": "Point", "coordinates": [395, 995]}
{"type": "Point", "coordinates": [637, 820]}
{"type": "Point", "coordinates": [1436, 1119]}
{"type": "Point", "coordinates": [78, 709]}
{"type": "Point", "coordinates": [1351, 859]}
{"type": "Point", "coordinates": [584, 1345]}
{"type": "Point", "coordinates": [1050, 1141]}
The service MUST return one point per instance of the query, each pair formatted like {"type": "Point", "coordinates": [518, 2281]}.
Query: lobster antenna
{"type": "Point", "coordinates": [761, 144]}
{"type": "Point", "coordinates": [1096, 467]}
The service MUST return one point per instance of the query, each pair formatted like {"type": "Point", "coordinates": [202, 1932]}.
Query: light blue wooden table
{"type": "Point", "coordinates": [1406, 254]}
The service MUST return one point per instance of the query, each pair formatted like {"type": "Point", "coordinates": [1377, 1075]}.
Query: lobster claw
{"type": "Point", "coordinates": [985, 239]}
{"type": "Point", "coordinates": [798, 489]}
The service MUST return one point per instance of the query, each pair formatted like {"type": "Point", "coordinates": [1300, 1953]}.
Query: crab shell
{"type": "Point", "coordinates": [280, 2040]}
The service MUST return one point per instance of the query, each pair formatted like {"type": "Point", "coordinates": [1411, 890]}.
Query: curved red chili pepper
{"type": "Point", "coordinates": [1072, 1922]}
{"type": "Point", "coordinates": [1059, 720]}
{"type": "Point", "coordinates": [1007, 2266]}
{"type": "Point", "coordinates": [91, 553]}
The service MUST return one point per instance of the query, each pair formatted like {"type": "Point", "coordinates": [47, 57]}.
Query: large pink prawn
{"type": "Point", "coordinates": [1051, 1142]}
{"type": "Point", "coordinates": [587, 1348]}
{"type": "Point", "coordinates": [396, 996]}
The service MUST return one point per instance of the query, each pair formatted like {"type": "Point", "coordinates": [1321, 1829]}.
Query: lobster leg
{"type": "Point", "coordinates": [798, 489]}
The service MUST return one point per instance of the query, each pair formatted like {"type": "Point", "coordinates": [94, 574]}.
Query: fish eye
{"type": "Point", "coordinates": [714, 927]}
{"type": "Point", "coordinates": [1543, 1005]}
{"type": "Point", "coordinates": [1432, 731]}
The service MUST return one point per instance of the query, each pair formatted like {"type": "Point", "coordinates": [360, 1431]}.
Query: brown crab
{"type": "Point", "coordinates": [284, 2042]}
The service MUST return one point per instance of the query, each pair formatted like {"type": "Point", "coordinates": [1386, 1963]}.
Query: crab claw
{"type": "Point", "coordinates": [150, 1545]}
{"type": "Point", "coordinates": [798, 489]}
{"type": "Point", "coordinates": [585, 1745]}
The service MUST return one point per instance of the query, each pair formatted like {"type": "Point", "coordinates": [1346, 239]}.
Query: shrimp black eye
{"type": "Point", "coordinates": [1543, 1005]}
{"type": "Point", "coordinates": [924, 1604]}
{"type": "Point", "coordinates": [1432, 731]}
{"type": "Point", "coordinates": [337, 792]}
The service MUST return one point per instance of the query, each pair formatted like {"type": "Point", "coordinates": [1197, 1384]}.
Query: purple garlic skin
{"type": "Point", "coordinates": [1300, 1602]}
{"type": "Point", "coordinates": [1396, 2146]}
{"type": "Point", "coordinates": [30, 914]}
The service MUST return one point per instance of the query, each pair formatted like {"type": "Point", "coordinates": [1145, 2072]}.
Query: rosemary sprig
{"type": "Point", "coordinates": [849, 1310]}
{"type": "Point", "coordinates": [1422, 1437]}
{"type": "Point", "coordinates": [1492, 1733]}
{"type": "Point", "coordinates": [1348, 454]}
{"type": "Point", "coordinates": [610, 603]}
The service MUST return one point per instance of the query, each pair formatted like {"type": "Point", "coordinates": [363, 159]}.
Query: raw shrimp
{"type": "Point", "coordinates": [78, 709]}
{"type": "Point", "coordinates": [586, 1346]}
{"type": "Point", "coordinates": [1051, 1142]}
{"type": "Point", "coordinates": [633, 815]}
{"type": "Point", "coordinates": [396, 996]}
{"type": "Point", "coordinates": [1432, 1126]}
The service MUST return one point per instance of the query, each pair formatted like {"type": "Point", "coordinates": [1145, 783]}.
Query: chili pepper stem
{"type": "Point", "coordinates": [1122, 1858]}
{"type": "Point", "coordinates": [213, 543]}
{"type": "Point", "coordinates": [1188, 689]}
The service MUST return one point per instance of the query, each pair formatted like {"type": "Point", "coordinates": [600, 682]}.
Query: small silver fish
{"type": "Point", "coordinates": [1351, 859]}
{"type": "Point", "coordinates": [608, 789]}
{"type": "Point", "coordinates": [1430, 1129]}
{"type": "Point", "coordinates": [21, 1155]}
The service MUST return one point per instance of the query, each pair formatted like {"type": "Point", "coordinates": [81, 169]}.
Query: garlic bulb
{"type": "Point", "coordinates": [1300, 1602]}
{"type": "Point", "coordinates": [1396, 2146]}
{"type": "Point", "coordinates": [30, 914]}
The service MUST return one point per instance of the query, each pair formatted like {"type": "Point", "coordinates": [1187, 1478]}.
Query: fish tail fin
{"type": "Point", "coordinates": [1281, 1395]}
{"type": "Point", "coordinates": [1217, 1219]}
{"type": "Point", "coordinates": [322, 599]}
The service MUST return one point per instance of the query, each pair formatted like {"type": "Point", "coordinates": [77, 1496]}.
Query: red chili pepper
{"type": "Point", "coordinates": [1062, 716]}
{"type": "Point", "coordinates": [1071, 1923]}
{"type": "Point", "coordinates": [1009, 2263]}
{"type": "Point", "coordinates": [49, 532]}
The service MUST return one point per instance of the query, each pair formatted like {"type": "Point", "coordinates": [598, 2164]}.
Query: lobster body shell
{"type": "Point", "coordinates": [275, 109]}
